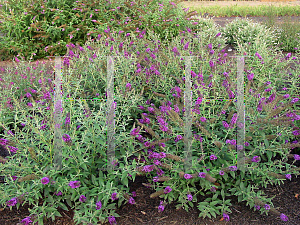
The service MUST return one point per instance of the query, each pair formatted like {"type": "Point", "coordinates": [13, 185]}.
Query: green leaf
{"type": "Point", "coordinates": [213, 214]}
{"type": "Point", "coordinates": [213, 203]}
{"type": "Point", "coordinates": [215, 196]}
{"type": "Point", "coordinates": [69, 202]}
{"type": "Point", "coordinates": [63, 206]}
{"type": "Point", "coordinates": [222, 193]}
{"type": "Point", "coordinates": [242, 186]}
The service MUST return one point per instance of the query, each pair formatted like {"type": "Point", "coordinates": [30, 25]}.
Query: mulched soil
{"type": "Point", "coordinates": [145, 210]}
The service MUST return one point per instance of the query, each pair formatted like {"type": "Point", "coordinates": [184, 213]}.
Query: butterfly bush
{"type": "Point", "coordinates": [158, 72]}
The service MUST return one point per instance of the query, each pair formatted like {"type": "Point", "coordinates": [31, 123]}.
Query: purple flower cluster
{"type": "Point", "coordinates": [256, 159]}
{"type": "Point", "coordinates": [12, 202]}
{"type": "Point", "coordinates": [114, 196]}
{"type": "Point", "coordinates": [131, 201]}
{"type": "Point", "coordinates": [202, 175]}
{"type": "Point", "coordinates": [74, 184]}
{"type": "Point", "coordinates": [82, 198]}
{"type": "Point", "coordinates": [188, 176]}
{"type": "Point", "coordinates": [168, 189]}
{"type": "Point", "coordinates": [226, 217]}
{"type": "Point", "coordinates": [26, 220]}
{"type": "Point", "coordinates": [98, 205]}
{"type": "Point", "coordinates": [161, 206]}
{"type": "Point", "coordinates": [213, 157]}
{"type": "Point", "coordinates": [112, 220]}
{"type": "Point", "coordinates": [45, 180]}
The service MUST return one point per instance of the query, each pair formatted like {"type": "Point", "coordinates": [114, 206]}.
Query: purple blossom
{"type": "Point", "coordinates": [296, 132]}
{"type": "Point", "coordinates": [168, 189]}
{"type": "Point", "coordinates": [213, 189]}
{"type": "Point", "coordinates": [202, 175]}
{"type": "Point", "coordinates": [295, 100]}
{"type": "Point", "coordinates": [258, 55]}
{"type": "Point", "coordinates": [58, 194]}
{"type": "Point", "coordinates": [297, 157]}
{"type": "Point", "coordinates": [232, 168]}
{"type": "Point", "coordinates": [98, 205]}
{"type": "Point", "coordinates": [226, 217]}
{"type": "Point", "coordinates": [250, 76]}
{"type": "Point", "coordinates": [161, 207]}
{"type": "Point", "coordinates": [131, 200]}
{"type": "Point", "coordinates": [288, 176]}
{"type": "Point", "coordinates": [26, 220]}
{"type": "Point", "coordinates": [190, 197]}
{"type": "Point", "coordinates": [114, 196]}
{"type": "Point", "coordinates": [148, 168]}
{"type": "Point", "coordinates": [267, 207]}
{"type": "Point", "coordinates": [134, 132]}
{"type": "Point", "coordinates": [74, 184]}
{"type": "Point", "coordinates": [188, 176]}
{"type": "Point", "coordinates": [257, 207]}
{"type": "Point", "coordinates": [45, 180]}
{"type": "Point", "coordinates": [221, 172]}
{"type": "Point", "coordinates": [283, 217]}
{"type": "Point", "coordinates": [225, 124]}
{"type": "Point", "coordinates": [203, 119]}
{"type": "Point", "coordinates": [112, 220]}
{"type": "Point", "coordinates": [66, 138]}
{"type": "Point", "coordinates": [256, 159]}
{"type": "Point", "coordinates": [133, 194]}
{"type": "Point", "coordinates": [128, 85]}
{"type": "Point", "coordinates": [82, 198]}
{"type": "Point", "coordinates": [12, 202]}
{"type": "Point", "coordinates": [213, 157]}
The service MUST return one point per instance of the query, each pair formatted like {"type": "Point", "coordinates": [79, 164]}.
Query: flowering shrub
{"type": "Point", "coordinates": [149, 104]}
{"type": "Point", "coordinates": [43, 28]}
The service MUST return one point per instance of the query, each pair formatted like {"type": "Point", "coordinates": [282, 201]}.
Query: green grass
{"type": "Point", "coordinates": [236, 10]}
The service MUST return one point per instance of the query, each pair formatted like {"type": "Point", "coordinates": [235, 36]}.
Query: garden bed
{"type": "Point", "coordinates": [145, 211]}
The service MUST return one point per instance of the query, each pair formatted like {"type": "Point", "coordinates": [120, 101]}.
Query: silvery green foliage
{"type": "Point", "coordinates": [245, 31]}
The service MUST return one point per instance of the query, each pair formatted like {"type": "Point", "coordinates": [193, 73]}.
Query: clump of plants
{"type": "Point", "coordinates": [43, 28]}
{"type": "Point", "coordinates": [149, 105]}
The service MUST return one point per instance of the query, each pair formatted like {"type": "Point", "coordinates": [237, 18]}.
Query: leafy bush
{"type": "Point", "coordinates": [244, 31]}
{"type": "Point", "coordinates": [43, 28]}
{"type": "Point", "coordinates": [144, 95]}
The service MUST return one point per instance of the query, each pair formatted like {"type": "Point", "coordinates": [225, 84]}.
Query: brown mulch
{"type": "Point", "coordinates": [145, 210]}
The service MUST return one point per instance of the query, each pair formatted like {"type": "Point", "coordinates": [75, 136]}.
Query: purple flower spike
{"type": "Point", "coordinates": [131, 201]}
{"type": "Point", "coordinates": [82, 198]}
{"type": "Point", "coordinates": [267, 207]}
{"type": "Point", "coordinates": [74, 184]}
{"type": "Point", "coordinates": [45, 180]}
{"type": "Point", "coordinates": [26, 220]}
{"type": "Point", "coordinates": [98, 205]}
{"type": "Point", "coordinates": [202, 175]}
{"type": "Point", "coordinates": [112, 220]}
{"type": "Point", "coordinates": [168, 189]}
{"type": "Point", "coordinates": [188, 176]}
{"type": "Point", "coordinates": [226, 217]}
{"type": "Point", "coordinates": [297, 157]}
{"type": "Point", "coordinates": [283, 217]}
{"type": "Point", "coordinates": [12, 202]}
{"type": "Point", "coordinates": [114, 196]}
{"type": "Point", "coordinates": [213, 157]}
{"type": "Point", "coordinates": [256, 159]}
